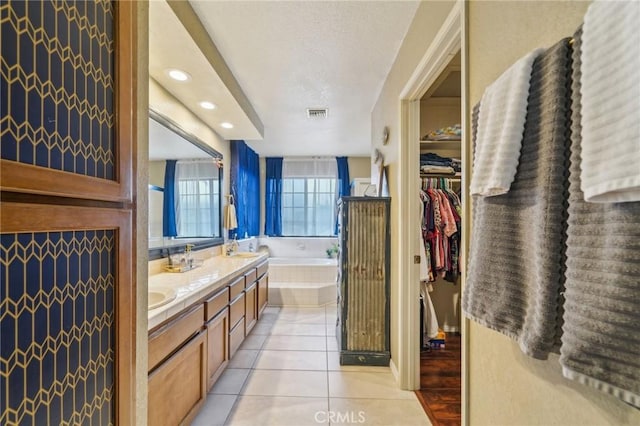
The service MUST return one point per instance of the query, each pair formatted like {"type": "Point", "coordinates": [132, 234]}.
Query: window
{"type": "Point", "coordinates": [198, 198]}
{"type": "Point", "coordinates": [309, 197]}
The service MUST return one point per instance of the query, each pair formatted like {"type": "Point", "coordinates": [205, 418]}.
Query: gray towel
{"type": "Point", "coordinates": [601, 340]}
{"type": "Point", "coordinates": [515, 273]}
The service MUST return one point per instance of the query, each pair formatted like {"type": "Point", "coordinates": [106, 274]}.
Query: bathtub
{"type": "Point", "coordinates": [302, 269]}
{"type": "Point", "coordinates": [300, 281]}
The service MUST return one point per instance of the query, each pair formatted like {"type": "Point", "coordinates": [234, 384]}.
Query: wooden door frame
{"type": "Point", "coordinates": [447, 42]}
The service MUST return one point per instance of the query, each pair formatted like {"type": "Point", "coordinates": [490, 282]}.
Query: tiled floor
{"type": "Point", "coordinates": [287, 372]}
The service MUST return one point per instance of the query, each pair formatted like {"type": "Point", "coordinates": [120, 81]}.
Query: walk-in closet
{"type": "Point", "coordinates": [440, 234]}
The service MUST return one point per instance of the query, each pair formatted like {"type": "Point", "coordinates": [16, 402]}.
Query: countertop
{"type": "Point", "coordinates": [193, 285]}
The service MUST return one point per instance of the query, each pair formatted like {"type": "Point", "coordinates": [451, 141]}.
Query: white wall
{"type": "Point", "coordinates": [426, 23]}
{"type": "Point", "coordinates": [505, 386]}
{"type": "Point", "coordinates": [359, 167]}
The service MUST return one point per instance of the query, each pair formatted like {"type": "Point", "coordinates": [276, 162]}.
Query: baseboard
{"type": "Point", "coordinates": [394, 370]}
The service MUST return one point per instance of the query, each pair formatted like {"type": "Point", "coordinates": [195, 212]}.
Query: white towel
{"type": "Point", "coordinates": [503, 110]}
{"type": "Point", "coordinates": [429, 321]}
{"type": "Point", "coordinates": [230, 219]}
{"type": "Point", "coordinates": [611, 102]}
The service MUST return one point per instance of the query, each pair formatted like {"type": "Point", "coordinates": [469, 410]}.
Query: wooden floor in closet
{"type": "Point", "coordinates": [440, 383]}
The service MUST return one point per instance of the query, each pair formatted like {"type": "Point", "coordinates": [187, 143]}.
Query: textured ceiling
{"type": "Point", "coordinates": [288, 56]}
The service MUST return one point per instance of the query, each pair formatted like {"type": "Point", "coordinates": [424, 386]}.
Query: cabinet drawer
{"type": "Point", "coordinates": [216, 303]}
{"type": "Point", "coordinates": [236, 336]}
{"type": "Point", "coordinates": [262, 268]}
{"type": "Point", "coordinates": [236, 287]}
{"type": "Point", "coordinates": [236, 310]}
{"type": "Point", "coordinates": [170, 337]}
{"type": "Point", "coordinates": [250, 277]}
{"type": "Point", "coordinates": [177, 389]}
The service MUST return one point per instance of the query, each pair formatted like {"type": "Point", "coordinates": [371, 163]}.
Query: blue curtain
{"type": "Point", "coordinates": [344, 184]}
{"type": "Point", "coordinates": [169, 227]}
{"type": "Point", "coordinates": [273, 198]}
{"type": "Point", "coordinates": [245, 188]}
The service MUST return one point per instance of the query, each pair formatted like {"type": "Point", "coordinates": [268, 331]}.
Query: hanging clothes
{"type": "Point", "coordinates": [429, 319]}
{"type": "Point", "coordinates": [441, 224]}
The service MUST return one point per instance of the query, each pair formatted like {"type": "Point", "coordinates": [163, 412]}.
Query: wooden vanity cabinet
{"type": "Point", "coordinates": [189, 353]}
{"type": "Point", "coordinates": [177, 365]}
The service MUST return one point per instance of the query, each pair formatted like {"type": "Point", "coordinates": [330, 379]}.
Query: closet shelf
{"type": "Point", "coordinates": [441, 144]}
{"type": "Point", "coordinates": [441, 175]}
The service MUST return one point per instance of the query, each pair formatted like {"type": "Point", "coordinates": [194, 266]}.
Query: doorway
{"type": "Point", "coordinates": [426, 78]}
{"type": "Point", "coordinates": [441, 223]}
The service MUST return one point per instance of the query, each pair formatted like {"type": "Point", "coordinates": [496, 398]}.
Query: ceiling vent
{"type": "Point", "coordinates": [317, 112]}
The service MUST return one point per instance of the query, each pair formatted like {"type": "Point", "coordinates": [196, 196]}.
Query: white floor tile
{"type": "Point", "coordinates": [332, 343]}
{"type": "Point", "coordinates": [269, 317]}
{"type": "Point", "coordinates": [262, 328]}
{"type": "Point", "coordinates": [294, 329]}
{"type": "Point", "coordinates": [231, 381]}
{"type": "Point", "coordinates": [272, 310]}
{"type": "Point", "coordinates": [378, 412]}
{"type": "Point", "coordinates": [253, 341]}
{"type": "Point", "coordinates": [290, 313]}
{"type": "Point", "coordinates": [244, 358]}
{"type": "Point", "coordinates": [345, 384]}
{"type": "Point", "coordinates": [295, 343]}
{"type": "Point", "coordinates": [291, 360]}
{"type": "Point", "coordinates": [215, 410]}
{"type": "Point", "coordinates": [286, 383]}
{"type": "Point", "coordinates": [314, 316]}
{"type": "Point", "coordinates": [278, 411]}
{"type": "Point", "coordinates": [293, 377]}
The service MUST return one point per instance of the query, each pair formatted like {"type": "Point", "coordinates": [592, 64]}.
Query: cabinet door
{"type": "Point", "coordinates": [68, 133]}
{"type": "Point", "coordinates": [236, 336]}
{"type": "Point", "coordinates": [250, 308]}
{"type": "Point", "coordinates": [263, 294]}
{"type": "Point", "coordinates": [177, 388]}
{"type": "Point", "coordinates": [68, 291]}
{"type": "Point", "coordinates": [66, 278]}
{"type": "Point", "coordinates": [236, 310]}
{"type": "Point", "coordinates": [217, 346]}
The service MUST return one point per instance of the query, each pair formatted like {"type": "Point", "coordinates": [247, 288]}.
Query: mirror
{"type": "Point", "coordinates": [197, 192]}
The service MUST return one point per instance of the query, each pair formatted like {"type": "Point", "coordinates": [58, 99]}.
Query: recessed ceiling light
{"type": "Point", "coordinates": [207, 105]}
{"type": "Point", "coordinates": [227, 125]}
{"type": "Point", "coordinates": [178, 75]}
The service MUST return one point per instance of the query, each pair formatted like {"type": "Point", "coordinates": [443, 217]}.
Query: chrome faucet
{"type": "Point", "coordinates": [232, 247]}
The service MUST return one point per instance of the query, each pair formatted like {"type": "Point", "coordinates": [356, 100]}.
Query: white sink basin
{"type": "Point", "coordinates": [159, 296]}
